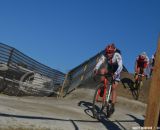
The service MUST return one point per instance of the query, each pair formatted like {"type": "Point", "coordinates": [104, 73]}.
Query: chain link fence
{"type": "Point", "coordinates": [81, 74]}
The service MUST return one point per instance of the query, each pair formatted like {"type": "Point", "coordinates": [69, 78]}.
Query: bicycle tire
{"type": "Point", "coordinates": [98, 106]}
{"type": "Point", "coordinates": [108, 110]}
{"type": "Point", "coordinates": [138, 90]}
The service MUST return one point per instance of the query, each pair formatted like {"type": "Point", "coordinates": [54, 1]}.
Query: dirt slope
{"type": "Point", "coordinates": [70, 113]}
{"type": "Point", "coordinates": [125, 88]}
{"type": "Point", "coordinates": [74, 111]}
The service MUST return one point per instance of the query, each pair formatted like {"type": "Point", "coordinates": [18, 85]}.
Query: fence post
{"type": "Point", "coordinates": [153, 106]}
{"type": "Point", "coordinates": [84, 69]}
{"type": "Point", "coordinates": [97, 59]}
{"type": "Point", "coordinates": [64, 82]}
{"type": "Point", "coordinates": [10, 56]}
{"type": "Point", "coordinates": [5, 72]}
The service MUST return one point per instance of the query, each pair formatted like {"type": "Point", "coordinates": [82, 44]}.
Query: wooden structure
{"type": "Point", "coordinates": [153, 108]}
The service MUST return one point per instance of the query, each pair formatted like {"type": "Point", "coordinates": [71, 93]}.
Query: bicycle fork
{"type": "Point", "coordinates": [109, 93]}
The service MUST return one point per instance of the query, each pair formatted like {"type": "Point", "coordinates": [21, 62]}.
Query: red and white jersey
{"type": "Point", "coordinates": [146, 60]}
{"type": "Point", "coordinates": [116, 59]}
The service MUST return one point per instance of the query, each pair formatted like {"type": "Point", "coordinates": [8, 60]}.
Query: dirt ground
{"type": "Point", "coordinates": [70, 113]}
{"type": "Point", "coordinates": [126, 89]}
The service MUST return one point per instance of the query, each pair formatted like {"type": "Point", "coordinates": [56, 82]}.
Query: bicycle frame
{"type": "Point", "coordinates": [104, 91]}
{"type": "Point", "coordinates": [140, 76]}
{"type": "Point", "coordinates": [107, 92]}
{"type": "Point", "coordinates": [106, 86]}
{"type": "Point", "coordinates": [138, 85]}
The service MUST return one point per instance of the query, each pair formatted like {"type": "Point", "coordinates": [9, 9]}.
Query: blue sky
{"type": "Point", "coordinates": [64, 33]}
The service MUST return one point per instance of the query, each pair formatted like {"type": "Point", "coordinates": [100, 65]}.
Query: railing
{"type": "Point", "coordinates": [31, 76]}
{"type": "Point", "coordinates": [81, 74]}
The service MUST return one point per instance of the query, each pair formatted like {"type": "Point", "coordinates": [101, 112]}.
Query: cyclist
{"type": "Point", "coordinates": [152, 62]}
{"type": "Point", "coordinates": [142, 62]}
{"type": "Point", "coordinates": [110, 62]}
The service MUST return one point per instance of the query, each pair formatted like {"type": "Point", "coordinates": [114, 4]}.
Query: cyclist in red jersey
{"type": "Point", "coordinates": [142, 62]}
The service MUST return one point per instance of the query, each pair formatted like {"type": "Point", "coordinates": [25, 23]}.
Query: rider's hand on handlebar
{"type": "Point", "coordinates": [95, 72]}
{"type": "Point", "coordinates": [114, 76]}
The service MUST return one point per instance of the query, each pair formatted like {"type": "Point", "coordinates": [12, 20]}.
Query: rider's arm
{"type": "Point", "coordinates": [100, 62]}
{"type": "Point", "coordinates": [153, 57]}
{"type": "Point", "coordinates": [136, 64]}
{"type": "Point", "coordinates": [120, 63]}
{"type": "Point", "coordinates": [147, 60]}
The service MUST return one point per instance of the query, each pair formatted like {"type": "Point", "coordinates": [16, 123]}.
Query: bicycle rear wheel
{"type": "Point", "coordinates": [99, 100]}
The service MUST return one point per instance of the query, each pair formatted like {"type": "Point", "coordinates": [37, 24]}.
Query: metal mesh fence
{"type": "Point", "coordinates": [31, 76]}
{"type": "Point", "coordinates": [81, 73]}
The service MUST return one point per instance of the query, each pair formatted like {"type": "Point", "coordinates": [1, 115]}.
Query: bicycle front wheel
{"type": "Point", "coordinates": [138, 90]}
{"type": "Point", "coordinates": [99, 100]}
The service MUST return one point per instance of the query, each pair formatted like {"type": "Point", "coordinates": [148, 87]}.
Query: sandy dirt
{"type": "Point", "coordinates": [70, 113]}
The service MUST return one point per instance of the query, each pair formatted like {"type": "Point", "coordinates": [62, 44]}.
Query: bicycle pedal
{"type": "Point", "coordinates": [101, 92]}
{"type": "Point", "coordinates": [98, 100]}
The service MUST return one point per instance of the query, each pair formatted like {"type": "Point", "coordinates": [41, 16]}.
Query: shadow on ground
{"type": "Point", "coordinates": [108, 124]}
{"type": "Point", "coordinates": [128, 83]}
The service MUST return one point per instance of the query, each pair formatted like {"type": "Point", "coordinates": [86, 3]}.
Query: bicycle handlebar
{"type": "Point", "coordinates": [108, 76]}
{"type": "Point", "coordinates": [141, 75]}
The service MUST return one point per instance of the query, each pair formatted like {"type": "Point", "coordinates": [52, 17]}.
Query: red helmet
{"type": "Point", "coordinates": [110, 49]}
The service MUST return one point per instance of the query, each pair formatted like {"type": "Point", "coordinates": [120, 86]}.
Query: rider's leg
{"type": "Point", "coordinates": [137, 70]}
{"type": "Point", "coordinates": [114, 92]}
{"type": "Point", "coordinates": [114, 96]}
{"type": "Point", "coordinates": [104, 81]}
{"type": "Point", "coordinates": [103, 71]}
{"type": "Point", "coordinates": [146, 70]}
{"type": "Point", "coordinates": [145, 73]}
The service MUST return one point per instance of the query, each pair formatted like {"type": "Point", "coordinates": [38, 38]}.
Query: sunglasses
{"type": "Point", "coordinates": [109, 52]}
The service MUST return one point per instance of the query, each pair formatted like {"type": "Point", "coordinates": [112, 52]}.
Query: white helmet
{"type": "Point", "coordinates": [143, 54]}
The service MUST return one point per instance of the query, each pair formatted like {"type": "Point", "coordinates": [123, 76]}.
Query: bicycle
{"type": "Point", "coordinates": [138, 85]}
{"type": "Point", "coordinates": [103, 90]}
